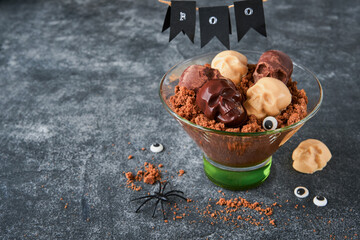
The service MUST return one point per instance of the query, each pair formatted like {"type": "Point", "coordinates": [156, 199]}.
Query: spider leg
{"type": "Point", "coordinates": [163, 211]}
{"type": "Point", "coordinates": [150, 196]}
{"type": "Point", "coordinates": [157, 202]}
{"type": "Point", "coordinates": [159, 187]}
{"type": "Point", "coordinates": [143, 204]}
{"type": "Point", "coordinates": [165, 187]}
{"type": "Point", "coordinates": [177, 195]}
{"type": "Point", "coordinates": [174, 191]}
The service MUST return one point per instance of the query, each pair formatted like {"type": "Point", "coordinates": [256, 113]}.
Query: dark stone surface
{"type": "Point", "coordinates": [79, 80]}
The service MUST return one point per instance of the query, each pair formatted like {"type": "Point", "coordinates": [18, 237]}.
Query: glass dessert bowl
{"type": "Point", "coordinates": [235, 160]}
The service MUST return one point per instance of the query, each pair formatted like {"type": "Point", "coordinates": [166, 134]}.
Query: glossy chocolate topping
{"type": "Point", "coordinates": [219, 99]}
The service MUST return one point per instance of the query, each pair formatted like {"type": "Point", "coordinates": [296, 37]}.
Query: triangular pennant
{"type": "Point", "coordinates": [230, 30]}
{"type": "Point", "coordinates": [249, 14]}
{"type": "Point", "coordinates": [166, 24]}
{"type": "Point", "coordinates": [215, 22]}
{"type": "Point", "coordinates": [182, 18]}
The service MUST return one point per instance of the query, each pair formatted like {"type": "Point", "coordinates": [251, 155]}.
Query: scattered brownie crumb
{"type": "Point", "coordinates": [241, 202]}
{"type": "Point", "coordinates": [129, 176]}
{"type": "Point", "coordinates": [134, 187]}
{"type": "Point", "coordinates": [160, 165]}
{"type": "Point", "coordinates": [152, 173]}
{"type": "Point", "coordinates": [181, 172]}
{"type": "Point", "coordinates": [149, 175]}
{"type": "Point", "coordinates": [230, 214]}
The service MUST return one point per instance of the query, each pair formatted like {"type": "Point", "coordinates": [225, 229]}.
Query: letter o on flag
{"type": "Point", "coordinates": [248, 11]}
{"type": "Point", "coordinates": [213, 20]}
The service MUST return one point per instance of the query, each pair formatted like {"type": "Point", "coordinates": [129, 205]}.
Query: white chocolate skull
{"type": "Point", "coordinates": [231, 64]}
{"type": "Point", "coordinates": [311, 155]}
{"type": "Point", "coordinates": [267, 98]}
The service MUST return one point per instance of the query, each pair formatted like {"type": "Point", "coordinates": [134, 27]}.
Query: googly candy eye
{"type": "Point", "coordinates": [156, 147]}
{"type": "Point", "coordinates": [270, 123]}
{"type": "Point", "coordinates": [320, 201]}
{"type": "Point", "coordinates": [301, 192]}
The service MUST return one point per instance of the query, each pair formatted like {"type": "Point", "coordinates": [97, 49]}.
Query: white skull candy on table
{"type": "Point", "coordinates": [310, 156]}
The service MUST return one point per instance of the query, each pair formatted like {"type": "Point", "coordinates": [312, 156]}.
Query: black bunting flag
{"type": "Point", "coordinates": [181, 17]}
{"type": "Point", "coordinates": [215, 22]}
{"type": "Point", "coordinates": [249, 14]}
{"type": "Point", "coordinates": [166, 24]}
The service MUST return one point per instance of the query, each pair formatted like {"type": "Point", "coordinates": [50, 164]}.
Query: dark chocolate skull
{"type": "Point", "coordinates": [219, 99]}
{"type": "Point", "coordinates": [275, 64]}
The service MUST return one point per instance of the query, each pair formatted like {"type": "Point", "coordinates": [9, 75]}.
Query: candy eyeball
{"type": "Point", "coordinates": [301, 192]}
{"type": "Point", "coordinates": [156, 147]}
{"type": "Point", "coordinates": [270, 123]}
{"type": "Point", "coordinates": [320, 201]}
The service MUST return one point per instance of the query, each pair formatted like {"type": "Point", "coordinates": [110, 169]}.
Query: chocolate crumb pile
{"type": "Point", "coordinates": [235, 205]}
{"type": "Point", "coordinates": [183, 103]}
{"type": "Point", "coordinates": [149, 175]}
{"type": "Point", "coordinates": [233, 211]}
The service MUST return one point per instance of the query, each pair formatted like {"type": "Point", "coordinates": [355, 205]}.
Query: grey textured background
{"type": "Point", "coordinates": [79, 80]}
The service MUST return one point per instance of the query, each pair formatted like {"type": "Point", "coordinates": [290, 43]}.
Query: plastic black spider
{"type": "Point", "coordinates": [161, 197]}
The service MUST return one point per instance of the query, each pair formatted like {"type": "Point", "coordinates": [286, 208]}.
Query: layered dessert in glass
{"type": "Point", "coordinates": [240, 108]}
